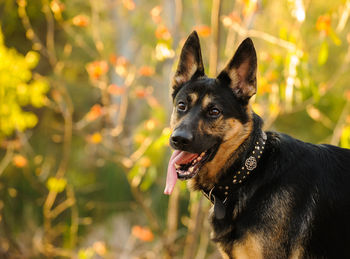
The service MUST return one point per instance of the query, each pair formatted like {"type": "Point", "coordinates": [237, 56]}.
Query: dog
{"type": "Point", "coordinates": [273, 196]}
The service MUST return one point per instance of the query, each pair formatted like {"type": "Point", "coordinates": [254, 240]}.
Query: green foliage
{"type": "Point", "coordinates": [18, 89]}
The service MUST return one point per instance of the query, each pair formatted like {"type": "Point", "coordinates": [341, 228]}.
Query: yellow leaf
{"type": "Point", "coordinates": [56, 184]}
{"type": "Point", "coordinates": [100, 248]}
{"type": "Point", "coordinates": [145, 162]}
{"type": "Point", "coordinates": [345, 137]}
{"type": "Point", "coordinates": [87, 253]}
{"type": "Point", "coordinates": [20, 161]}
{"type": "Point", "coordinates": [142, 233]}
{"type": "Point", "coordinates": [32, 59]}
{"type": "Point", "coordinates": [95, 138]}
{"type": "Point", "coordinates": [323, 54]}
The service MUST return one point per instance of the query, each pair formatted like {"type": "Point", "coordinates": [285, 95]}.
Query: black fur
{"type": "Point", "coordinates": [309, 183]}
{"type": "Point", "coordinates": [296, 203]}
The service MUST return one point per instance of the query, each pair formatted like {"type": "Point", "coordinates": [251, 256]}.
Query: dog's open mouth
{"type": "Point", "coordinates": [184, 165]}
{"type": "Point", "coordinates": [186, 170]}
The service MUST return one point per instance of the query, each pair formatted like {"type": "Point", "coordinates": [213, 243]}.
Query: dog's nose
{"type": "Point", "coordinates": [181, 138]}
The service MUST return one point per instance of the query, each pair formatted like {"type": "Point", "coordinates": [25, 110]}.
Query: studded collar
{"type": "Point", "coordinates": [219, 194]}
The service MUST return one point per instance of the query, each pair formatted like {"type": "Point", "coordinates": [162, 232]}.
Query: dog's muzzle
{"type": "Point", "coordinates": [181, 139]}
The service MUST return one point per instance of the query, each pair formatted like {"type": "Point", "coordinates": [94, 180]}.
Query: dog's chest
{"type": "Point", "coordinates": [250, 246]}
{"type": "Point", "coordinates": [246, 234]}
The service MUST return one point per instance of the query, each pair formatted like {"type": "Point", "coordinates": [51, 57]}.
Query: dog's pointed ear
{"type": "Point", "coordinates": [240, 72]}
{"type": "Point", "coordinates": [190, 64]}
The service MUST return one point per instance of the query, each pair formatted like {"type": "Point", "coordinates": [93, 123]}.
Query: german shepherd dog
{"type": "Point", "coordinates": [273, 196]}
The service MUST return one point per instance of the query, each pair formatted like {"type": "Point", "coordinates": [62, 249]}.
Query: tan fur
{"type": "Point", "coordinates": [235, 134]}
{"type": "Point", "coordinates": [297, 253]}
{"type": "Point", "coordinates": [249, 248]}
{"type": "Point", "coordinates": [174, 121]}
{"type": "Point", "coordinates": [194, 98]}
{"type": "Point", "coordinates": [238, 83]}
{"type": "Point", "coordinates": [233, 74]}
{"type": "Point", "coordinates": [206, 100]}
{"type": "Point", "coordinates": [191, 68]}
{"type": "Point", "coordinates": [223, 254]}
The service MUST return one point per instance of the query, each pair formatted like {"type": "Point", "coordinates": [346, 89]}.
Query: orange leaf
{"type": "Point", "coordinates": [95, 138]}
{"type": "Point", "coordinates": [155, 14]}
{"type": "Point", "coordinates": [81, 20]}
{"type": "Point", "coordinates": [129, 4]}
{"type": "Point", "coordinates": [323, 23]}
{"type": "Point", "coordinates": [139, 138]}
{"type": "Point", "coordinates": [115, 90]}
{"type": "Point", "coordinates": [146, 71]}
{"type": "Point", "coordinates": [19, 161]}
{"type": "Point", "coordinates": [145, 162]}
{"type": "Point", "coordinates": [162, 32]}
{"type": "Point", "coordinates": [96, 69]}
{"type": "Point", "coordinates": [265, 87]}
{"type": "Point", "coordinates": [142, 233]}
{"type": "Point", "coordinates": [113, 59]}
{"type": "Point", "coordinates": [140, 93]}
{"type": "Point", "coordinates": [100, 248]}
{"type": "Point", "coordinates": [203, 30]}
{"type": "Point", "coordinates": [94, 113]}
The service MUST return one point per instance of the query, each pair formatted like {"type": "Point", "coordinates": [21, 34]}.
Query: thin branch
{"type": "Point", "coordinates": [95, 25]}
{"type": "Point", "coordinates": [197, 11]}
{"type": "Point", "coordinates": [343, 17]}
{"type": "Point", "coordinates": [123, 106]}
{"type": "Point", "coordinates": [30, 33]}
{"type": "Point", "coordinates": [195, 220]}
{"type": "Point", "coordinates": [178, 14]}
{"type": "Point", "coordinates": [140, 198]}
{"type": "Point", "coordinates": [50, 35]}
{"type": "Point", "coordinates": [204, 238]}
{"type": "Point", "coordinates": [61, 207]}
{"type": "Point", "coordinates": [74, 218]}
{"type": "Point", "coordinates": [265, 36]}
{"type": "Point", "coordinates": [141, 150]}
{"type": "Point", "coordinates": [172, 221]}
{"type": "Point", "coordinates": [328, 85]}
{"type": "Point", "coordinates": [66, 109]}
{"type": "Point", "coordinates": [7, 158]}
{"type": "Point", "coordinates": [79, 40]}
{"type": "Point", "coordinates": [214, 47]}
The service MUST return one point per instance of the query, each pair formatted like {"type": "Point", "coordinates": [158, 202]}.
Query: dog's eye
{"type": "Point", "coordinates": [181, 106]}
{"type": "Point", "coordinates": [214, 112]}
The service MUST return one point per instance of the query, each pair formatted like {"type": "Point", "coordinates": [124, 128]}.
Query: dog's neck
{"type": "Point", "coordinates": [241, 170]}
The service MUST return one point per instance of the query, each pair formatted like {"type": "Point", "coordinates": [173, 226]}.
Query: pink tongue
{"type": "Point", "coordinates": [178, 157]}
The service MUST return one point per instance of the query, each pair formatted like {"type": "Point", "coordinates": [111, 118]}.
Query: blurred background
{"type": "Point", "coordinates": [84, 112]}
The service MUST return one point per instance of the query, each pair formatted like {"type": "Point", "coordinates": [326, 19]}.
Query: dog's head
{"type": "Point", "coordinates": [211, 116]}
